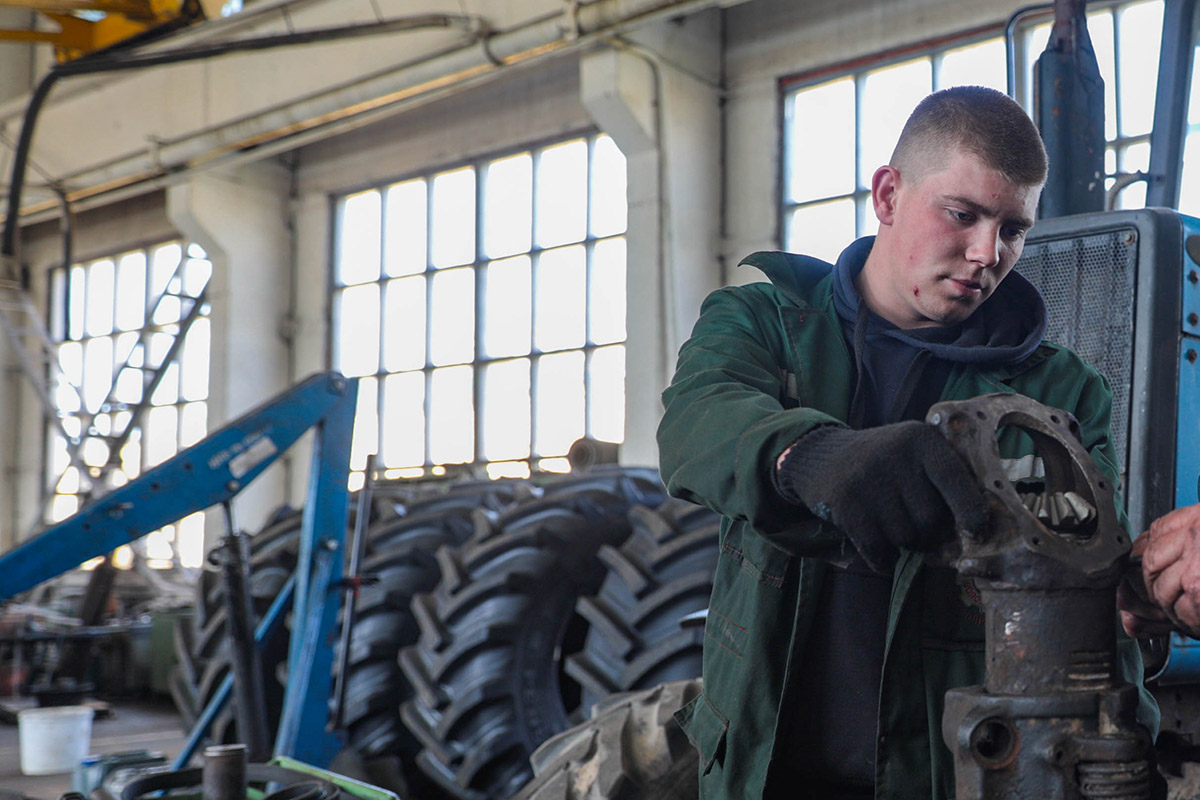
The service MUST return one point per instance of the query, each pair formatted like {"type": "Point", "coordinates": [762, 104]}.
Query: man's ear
{"type": "Point", "coordinates": [885, 183]}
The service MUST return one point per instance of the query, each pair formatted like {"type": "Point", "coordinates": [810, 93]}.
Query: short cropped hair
{"type": "Point", "coordinates": [982, 121]}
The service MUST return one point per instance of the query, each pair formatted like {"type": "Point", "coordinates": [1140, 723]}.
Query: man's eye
{"type": "Point", "coordinates": [1013, 234]}
{"type": "Point", "coordinates": [962, 216]}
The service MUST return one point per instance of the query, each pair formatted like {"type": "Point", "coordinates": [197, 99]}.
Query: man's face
{"type": "Point", "coordinates": [954, 235]}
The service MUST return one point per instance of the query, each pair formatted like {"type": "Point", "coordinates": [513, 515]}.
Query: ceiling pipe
{"type": "Point", "coordinates": [368, 100]}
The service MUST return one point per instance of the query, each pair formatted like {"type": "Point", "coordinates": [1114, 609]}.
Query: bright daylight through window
{"type": "Point", "coordinates": [134, 335]}
{"type": "Point", "coordinates": [838, 130]}
{"type": "Point", "coordinates": [484, 309]}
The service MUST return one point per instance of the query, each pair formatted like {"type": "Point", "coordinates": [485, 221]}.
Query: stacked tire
{"type": "Point", "coordinates": [498, 612]}
{"type": "Point", "coordinates": [487, 668]}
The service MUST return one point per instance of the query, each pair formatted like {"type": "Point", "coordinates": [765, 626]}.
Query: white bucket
{"type": "Point", "coordinates": [53, 739]}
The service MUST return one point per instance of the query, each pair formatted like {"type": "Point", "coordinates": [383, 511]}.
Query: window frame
{"type": "Point", "coordinates": [477, 163]}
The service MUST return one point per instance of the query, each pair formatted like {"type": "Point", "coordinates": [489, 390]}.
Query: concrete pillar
{"type": "Point", "coordinates": [241, 219]}
{"type": "Point", "coordinates": [657, 94]}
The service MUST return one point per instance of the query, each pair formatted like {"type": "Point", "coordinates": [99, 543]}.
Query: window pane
{"type": "Point", "coordinates": [196, 347]}
{"type": "Point", "coordinates": [100, 294]}
{"type": "Point", "coordinates": [608, 205]}
{"type": "Point", "coordinates": [506, 411]}
{"type": "Point", "coordinates": [358, 238]}
{"type": "Point", "coordinates": [508, 206]}
{"type": "Point", "coordinates": [507, 307]}
{"type": "Point", "coordinates": [452, 328]}
{"type": "Point", "coordinates": [451, 438]}
{"type": "Point", "coordinates": [128, 388]}
{"type": "Point", "coordinates": [821, 230]}
{"type": "Point", "coordinates": [196, 274]}
{"type": "Point", "coordinates": [162, 433]}
{"type": "Point", "coordinates": [1133, 158]}
{"type": "Point", "coordinates": [1189, 182]}
{"type": "Point", "coordinates": [131, 455]}
{"type": "Point", "coordinates": [191, 540]}
{"type": "Point", "coordinates": [70, 360]}
{"type": "Point", "coordinates": [1100, 30]}
{"type": "Point", "coordinates": [358, 330]}
{"type": "Point", "coordinates": [559, 391]}
{"type": "Point", "coordinates": [889, 96]}
{"type": "Point", "coordinates": [366, 423]}
{"type": "Point", "coordinates": [404, 324]}
{"type": "Point", "coordinates": [979, 64]}
{"type": "Point", "coordinates": [78, 300]}
{"type": "Point", "coordinates": [606, 394]}
{"type": "Point", "coordinates": [1141, 35]}
{"type": "Point", "coordinates": [97, 372]}
{"type": "Point", "coordinates": [193, 423]}
{"type": "Point", "coordinates": [453, 229]}
{"type": "Point", "coordinates": [561, 194]}
{"type": "Point", "coordinates": [407, 228]}
{"type": "Point", "coordinates": [404, 420]}
{"type": "Point", "coordinates": [131, 292]}
{"type": "Point", "coordinates": [606, 300]}
{"type": "Point", "coordinates": [560, 288]}
{"type": "Point", "coordinates": [168, 386]}
{"type": "Point", "coordinates": [819, 124]}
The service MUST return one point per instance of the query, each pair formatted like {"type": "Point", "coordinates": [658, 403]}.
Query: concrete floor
{"type": "Point", "coordinates": [140, 725]}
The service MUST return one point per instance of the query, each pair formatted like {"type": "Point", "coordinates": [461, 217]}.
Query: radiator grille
{"type": "Point", "coordinates": [1088, 282]}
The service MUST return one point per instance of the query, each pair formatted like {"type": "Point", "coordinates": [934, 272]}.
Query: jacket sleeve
{"type": "Point", "coordinates": [724, 423]}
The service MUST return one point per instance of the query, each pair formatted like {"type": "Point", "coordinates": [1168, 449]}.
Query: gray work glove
{"type": "Point", "coordinates": [899, 485]}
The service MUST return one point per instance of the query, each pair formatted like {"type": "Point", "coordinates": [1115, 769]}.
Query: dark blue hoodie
{"type": "Point", "coordinates": [900, 374]}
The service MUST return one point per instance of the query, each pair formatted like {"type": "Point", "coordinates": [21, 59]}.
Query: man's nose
{"type": "Point", "coordinates": [984, 246]}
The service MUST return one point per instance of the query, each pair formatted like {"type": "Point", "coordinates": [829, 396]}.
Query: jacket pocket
{"type": "Point", "coordinates": [706, 728]}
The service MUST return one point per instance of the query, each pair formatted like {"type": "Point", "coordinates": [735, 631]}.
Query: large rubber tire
{"type": "Point", "coordinates": [631, 749]}
{"type": "Point", "coordinates": [403, 564]}
{"type": "Point", "coordinates": [487, 666]}
{"type": "Point", "coordinates": [661, 574]}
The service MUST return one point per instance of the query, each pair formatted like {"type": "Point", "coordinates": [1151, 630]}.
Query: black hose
{"type": "Point", "coordinates": [110, 61]}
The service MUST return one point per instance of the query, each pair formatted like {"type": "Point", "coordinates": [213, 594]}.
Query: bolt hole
{"type": "Point", "coordinates": [1102, 484]}
{"type": "Point", "coordinates": [993, 742]}
{"type": "Point", "coordinates": [981, 415]}
{"type": "Point", "coordinates": [1058, 756]}
{"type": "Point", "coordinates": [1054, 418]}
{"type": "Point", "coordinates": [998, 484]}
{"type": "Point", "coordinates": [1036, 540]}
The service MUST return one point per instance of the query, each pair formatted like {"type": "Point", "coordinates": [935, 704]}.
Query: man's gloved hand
{"type": "Point", "coordinates": [899, 485]}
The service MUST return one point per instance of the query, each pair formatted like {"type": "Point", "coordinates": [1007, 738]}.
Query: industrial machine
{"type": "Point", "coordinates": [212, 472]}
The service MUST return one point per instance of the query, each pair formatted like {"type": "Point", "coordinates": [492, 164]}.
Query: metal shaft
{"type": "Point", "coordinates": [224, 776]}
{"type": "Point", "coordinates": [243, 654]}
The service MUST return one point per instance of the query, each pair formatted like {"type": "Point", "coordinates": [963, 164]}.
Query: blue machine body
{"type": "Point", "coordinates": [213, 471]}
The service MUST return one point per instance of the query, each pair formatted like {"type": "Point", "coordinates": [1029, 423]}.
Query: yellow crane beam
{"type": "Point", "coordinates": [84, 26]}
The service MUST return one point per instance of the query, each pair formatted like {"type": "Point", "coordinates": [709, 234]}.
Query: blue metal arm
{"type": "Point", "coordinates": [203, 475]}
{"type": "Point", "coordinates": [212, 472]}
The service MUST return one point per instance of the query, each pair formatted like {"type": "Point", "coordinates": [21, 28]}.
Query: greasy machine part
{"type": "Point", "coordinates": [1052, 719]}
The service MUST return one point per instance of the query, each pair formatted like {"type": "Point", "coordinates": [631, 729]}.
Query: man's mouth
{"type": "Point", "coordinates": [966, 287]}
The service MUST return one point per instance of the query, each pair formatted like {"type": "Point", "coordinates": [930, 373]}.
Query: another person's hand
{"type": "Point", "coordinates": [899, 485]}
{"type": "Point", "coordinates": [1167, 596]}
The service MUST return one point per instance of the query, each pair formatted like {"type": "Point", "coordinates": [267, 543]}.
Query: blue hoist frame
{"type": "Point", "coordinates": [212, 472]}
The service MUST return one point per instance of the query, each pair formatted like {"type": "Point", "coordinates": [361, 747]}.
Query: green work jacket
{"type": "Point", "coordinates": [765, 364]}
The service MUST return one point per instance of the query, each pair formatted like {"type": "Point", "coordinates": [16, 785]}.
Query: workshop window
{"type": "Point", "coordinates": [839, 129]}
{"type": "Point", "coordinates": [483, 308]}
{"type": "Point", "coordinates": [134, 353]}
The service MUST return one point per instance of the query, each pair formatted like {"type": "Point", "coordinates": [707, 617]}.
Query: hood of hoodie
{"type": "Point", "coordinates": [1005, 329]}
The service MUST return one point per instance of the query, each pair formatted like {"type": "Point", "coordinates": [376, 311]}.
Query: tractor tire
{"type": "Point", "coordinates": [631, 749]}
{"type": "Point", "coordinates": [487, 668]}
{"type": "Point", "coordinates": [401, 564]}
{"type": "Point", "coordinates": [661, 574]}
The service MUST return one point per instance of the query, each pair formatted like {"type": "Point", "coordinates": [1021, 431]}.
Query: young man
{"type": "Point", "coordinates": [796, 412]}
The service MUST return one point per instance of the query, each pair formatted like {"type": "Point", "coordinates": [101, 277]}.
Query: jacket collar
{"type": "Point", "coordinates": [808, 282]}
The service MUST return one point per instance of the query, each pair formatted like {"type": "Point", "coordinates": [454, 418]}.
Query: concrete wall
{"type": "Point", "coordinates": [693, 100]}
